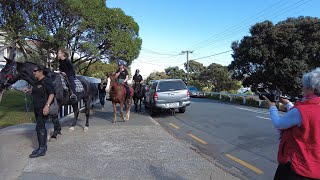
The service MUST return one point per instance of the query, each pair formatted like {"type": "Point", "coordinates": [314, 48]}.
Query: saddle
{"type": "Point", "coordinates": [66, 85]}
{"type": "Point", "coordinates": [125, 92]}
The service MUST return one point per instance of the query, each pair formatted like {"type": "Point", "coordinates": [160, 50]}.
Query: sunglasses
{"type": "Point", "coordinates": [36, 70]}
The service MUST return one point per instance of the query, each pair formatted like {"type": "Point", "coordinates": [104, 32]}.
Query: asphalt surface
{"type": "Point", "coordinates": [239, 137]}
{"type": "Point", "coordinates": [137, 149]}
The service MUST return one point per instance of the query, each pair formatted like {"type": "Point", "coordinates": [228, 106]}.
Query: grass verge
{"type": "Point", "coordinates": [13, 109]}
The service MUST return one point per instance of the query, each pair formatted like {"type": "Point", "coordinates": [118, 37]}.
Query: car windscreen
{"type": "Point", "coordinates": [171, 86]}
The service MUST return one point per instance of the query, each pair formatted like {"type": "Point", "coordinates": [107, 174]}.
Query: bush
{"type": "Point", "coordinates": [225, 98]}
{"type": "Point", "coordinates": [238, 100]}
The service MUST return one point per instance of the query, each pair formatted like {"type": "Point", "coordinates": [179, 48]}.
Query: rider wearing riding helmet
{"type": "Point", "coordinates": [123, 76]}
{"type": "Point", "coordinates": [137, 78]}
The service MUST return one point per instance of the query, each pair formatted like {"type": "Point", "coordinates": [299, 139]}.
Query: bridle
{"type": "Point", "coordinates": [4, 78]}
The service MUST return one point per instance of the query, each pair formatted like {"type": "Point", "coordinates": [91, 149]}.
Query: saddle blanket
{"type": "Point", "coordinates": [79, 86]}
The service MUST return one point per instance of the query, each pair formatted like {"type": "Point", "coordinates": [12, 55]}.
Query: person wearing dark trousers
{"type": "Point", "coordinates": [43, 93]}
{"type": "Point", "coordinates": [66, 67]}
{"type": "Point", "coordinates": [102, 91]}
{"type": "Point", "coordinates": [123, 76]}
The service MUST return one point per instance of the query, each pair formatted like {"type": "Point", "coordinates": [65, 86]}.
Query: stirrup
{"type": "Point", "coordinates": [73, 97]}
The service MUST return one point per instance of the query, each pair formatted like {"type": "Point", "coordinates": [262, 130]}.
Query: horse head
{"type": "Point", "coordinates": [8, 75]}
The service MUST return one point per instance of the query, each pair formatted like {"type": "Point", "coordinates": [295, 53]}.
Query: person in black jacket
{"type": "Point", "coordinates": [123, 76]}
{"type": "Point", "coordinates": [137, 78]}
{"type": "Point", "coordinates": [43, 93]}
{"type": "Point", "coordinates": [66, 67]}
{"type": "Point", "coordinates": [102, 92]}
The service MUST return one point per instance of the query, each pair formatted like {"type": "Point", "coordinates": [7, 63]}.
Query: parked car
{"type": "Point", "coordinates": [167, 94]}
{"type": "Point", "coordinates": [195, 92]}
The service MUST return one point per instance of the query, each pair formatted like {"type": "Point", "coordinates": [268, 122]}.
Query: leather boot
{"type": "Point", "coordinates": [42, 144]}
{"type": "Point", "coordinates": [38, 137]}
{"type": "Point", "coordinates": [57, 127]}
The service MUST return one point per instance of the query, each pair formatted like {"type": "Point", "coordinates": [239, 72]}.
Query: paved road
{"type": "Point", "coordinates": [240, 137]}
{"type": "Point", "coordinates": [137, 149]}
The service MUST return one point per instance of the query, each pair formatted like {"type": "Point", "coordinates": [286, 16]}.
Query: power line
{"type": "Point", "coordinates": [235, 30]}
{"type": "Point", "coordinates": [232, 27]}
{"type": "Point", "coordinates": [240, 30]}
{"type": "Point", "coordinates": [212, 55]}
{"type": "Point", "coordinates": [159, 53]}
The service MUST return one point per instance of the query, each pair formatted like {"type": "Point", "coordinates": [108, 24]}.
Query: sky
{"type": "Point", "coordinates": [203, 27]}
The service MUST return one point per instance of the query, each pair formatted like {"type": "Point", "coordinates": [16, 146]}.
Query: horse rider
{"type": "Point", "coordinates": [67, 69]}
{"type": "Point", "coordinates": [123, 76]}
{"type": "Point", "coordinates": [137, 79]}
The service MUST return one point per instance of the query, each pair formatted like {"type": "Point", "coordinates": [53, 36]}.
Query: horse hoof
{"type": "Point", "coordinates": [71, 129]}
{"type": "Point", "coordinates": [85, 129]}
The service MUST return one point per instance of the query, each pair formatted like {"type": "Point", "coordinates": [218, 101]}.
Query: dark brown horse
{"type": "Point", "coordinates": [14, 71]}
{"type": "Point", "coordinates": [117, 95]}
{"type": "Point", "coordinates": [138, 96]}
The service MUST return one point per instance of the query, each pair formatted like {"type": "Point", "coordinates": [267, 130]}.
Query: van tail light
{"type": "Point", "coordinates": [188, 93]}
{"type": "Point", "coordinates": [155, 97]}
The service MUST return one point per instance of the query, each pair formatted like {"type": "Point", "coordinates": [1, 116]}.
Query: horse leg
{"type": "Point", "coordinates": [76, 114]}
{"type": "Point", "coordinates": [56, 127]}
{"type": "Point", "coordinates": [128, 110]}
{"type": "Point", "coordinates": [121, 111]}
{"type": "Point", "coordinates": [135, 105]}
{"type": "Point", "coordinates": [140, 105]}
{"type": "Point", "coordinates": [87, 109]}
{"type": "Point", "coordinates": [114, 113]}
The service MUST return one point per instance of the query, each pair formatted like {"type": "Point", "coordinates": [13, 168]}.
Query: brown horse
{"type": "Point", "coordinates": [117, 95]}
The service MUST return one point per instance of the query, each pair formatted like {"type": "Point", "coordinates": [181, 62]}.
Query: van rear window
{"type": "Point", "coordinates": [171, 86]}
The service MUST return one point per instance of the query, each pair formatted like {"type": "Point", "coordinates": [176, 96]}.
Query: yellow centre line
{"type": "Point", "coordinates": [197, 139]}
{"type": "Point", "coordinates": [249, 166]}
{"type": "Point", "coordinates": [174, 126]}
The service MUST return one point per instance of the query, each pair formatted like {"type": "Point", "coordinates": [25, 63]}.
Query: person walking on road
{"type": "Point", "coordinates": [299, 148]}
{"type": "Point", "coordinates": [102, 92]}
{"type": "Point", "coordinates": [43, 93]}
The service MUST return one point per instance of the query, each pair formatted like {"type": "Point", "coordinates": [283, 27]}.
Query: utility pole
{"type": "Point", "coordinates": [183, 52]}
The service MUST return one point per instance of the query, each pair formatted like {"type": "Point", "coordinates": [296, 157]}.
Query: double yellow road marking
{"type": "Point", "coordinates": [174, 126]}
{"type": "Point", "coordinates": [249, 166]}
{"type": "Point", "coordinates": [198, 139]}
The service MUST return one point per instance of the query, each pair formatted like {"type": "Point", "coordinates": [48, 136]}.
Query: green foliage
{"type": "Point", "coordinates": [89, 29]}
{"type": "Point", "coordinates": [155, 76]}
{"type": "Point", "coordinates": [218, 77]}
{"type": "Point", "coordinates": [278, 55]}
{"type": "Point", "coordinates": [175, 73]}
{"type": "Point", "coordinates": [101, 69]}
{"type": "Point", "coordinates": [13, 109]}
{"type": "Point", "coordinates": [237, 100]}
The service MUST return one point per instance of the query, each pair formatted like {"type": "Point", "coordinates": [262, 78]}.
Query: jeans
{"type": "Point", "coordinates": [101, 97]}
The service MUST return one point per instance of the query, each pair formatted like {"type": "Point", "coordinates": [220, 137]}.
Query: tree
{"type": "Point", "coordinates": [277, 55]}
{"type": "Point", "coordinates": [175, 73]}
{"type": "Point", "coordinates": [88, 28]}
{"type": "Point", "coordinates": [100, 69]}
{"type": "Point", "coordinates": [218, 78]}
{"type": "Point", "coordinates": [195, 69]}
{"type": "Point", "coordinates": [155, 76]}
